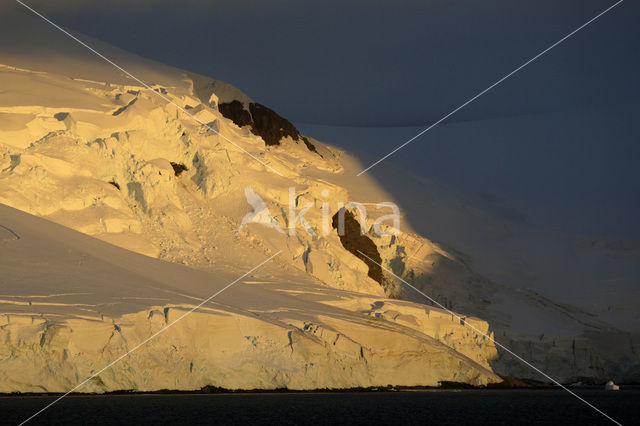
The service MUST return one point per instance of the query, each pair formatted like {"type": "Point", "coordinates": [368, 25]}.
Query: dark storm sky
{"type": "Point", "coordinates": [569, 158]}
{"type": "Point", "coordinates": [380, 62]}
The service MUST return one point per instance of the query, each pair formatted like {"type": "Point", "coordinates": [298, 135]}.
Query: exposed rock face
{"type": "Point", "coordinates": [235, 112]}
{"type": "Point", "coordinates": [352, 239]}
{"type": "Point", "coordinates": [270, 126]}
{"type": "Point", "coordinates": [310, 146]}
{"type": "Point", "coordinates": [264, 122]}
{"type": "Point", "coordinates": [178, 168]}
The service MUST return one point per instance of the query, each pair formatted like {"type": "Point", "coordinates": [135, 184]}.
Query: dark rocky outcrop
{"type": "Point", "coordinates": [264, 122]}
{"type": "Point", "coordinates": [356, 243]}
{"type": "Point", "coordinates": [270, 126]}
{"type": "Point", "coordinates": [235, 112]}
{"type": "Point", "coordinates": [178, 168]}
{"type": "Point", "coordinates": [311, 147]}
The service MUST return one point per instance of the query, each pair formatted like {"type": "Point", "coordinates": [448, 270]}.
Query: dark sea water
{"type": "Point", "coordinates": [438, 407]}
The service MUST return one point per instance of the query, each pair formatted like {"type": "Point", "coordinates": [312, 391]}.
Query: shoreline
{"type": "Point", "coordinates": [445, 386]}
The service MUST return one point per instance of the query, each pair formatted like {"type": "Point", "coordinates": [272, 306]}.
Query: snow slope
{"type": "Point", "coordinates": [85, 147]}
{"type": "Point", "coordinates": [71, 304]}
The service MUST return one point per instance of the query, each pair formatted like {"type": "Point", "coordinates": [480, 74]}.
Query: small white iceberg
{"type": "Point", "coordinates": [610, 386]}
